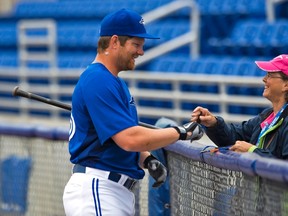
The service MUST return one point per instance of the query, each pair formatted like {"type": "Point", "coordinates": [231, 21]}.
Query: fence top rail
{"type": "Point", "coordinates": [248, 163]}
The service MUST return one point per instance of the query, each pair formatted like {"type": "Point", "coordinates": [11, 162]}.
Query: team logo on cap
{"type": "Point", "coordinates": [142, 21]}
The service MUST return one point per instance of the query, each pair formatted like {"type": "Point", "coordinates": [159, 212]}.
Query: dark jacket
{"type": "Point", "coordinates": [275, 142]}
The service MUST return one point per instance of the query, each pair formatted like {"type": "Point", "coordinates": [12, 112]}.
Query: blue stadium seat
{"type": "Point", "coordinates": [57, 9]}
{"type": "Point", "coordinates": [75, 32]}
{"type": "Point", "coordinates": [75, 59]}
{"type": "Point", "coordinates": [254, 8]}
{"type": "Point", "coordinates": [14, 184]}
{"type": "Point", "coordinates": [78, 34]}
{"type": "Point", "coordinates": [165, 29]}
{"type": "Point", "coordinates": [252, 38]}
{"type": "Point", "coordinates": [8, 34]}
{"type": "Point", "coordinates": [64, 59]}
{"type": "Point", "coordinates": [170, 64]}
{"type": "Point", "coordinates": [246, 68]}
{"type": "Point", "coordinates": [234, 28]}
{"type": "Point", "coordinates": [196, 66]}
{"type": "Point", "coordinates": [212, 67]}
{"type": "Point", "coordinates": [281, 35]}
{"type": "Point", "coordinates": [229, 68]}
{"type": "Point", "coordinates": [235, 109]}
{"type": "Point", "coordinates": [8, 58]}
{"type": "Point", "coordinates": [81, 9]}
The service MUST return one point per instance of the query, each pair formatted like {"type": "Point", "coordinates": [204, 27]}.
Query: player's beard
{"type": "Point", "coordinates": [126, 62]}
{"type": "Point", "coordinates": [131, 64]}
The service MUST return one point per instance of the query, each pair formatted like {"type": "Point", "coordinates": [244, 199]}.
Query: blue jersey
{"type": "Point", "coordinates": [101, 107]}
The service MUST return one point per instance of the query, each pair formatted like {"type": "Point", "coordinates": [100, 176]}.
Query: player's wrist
{"type": "Point", "coordinates": [148, 159]}
{"type": "Point", "coordinates": [181, 131]}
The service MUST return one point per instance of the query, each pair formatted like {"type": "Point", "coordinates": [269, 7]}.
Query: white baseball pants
{"type": "Point", "coordinates": [93, 194]}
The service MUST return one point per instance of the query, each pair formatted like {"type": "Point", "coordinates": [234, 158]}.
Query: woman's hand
{"type": "Point", "coordinates": [241, 146]}
{"type": "Point", "coordinates": [203, 116]}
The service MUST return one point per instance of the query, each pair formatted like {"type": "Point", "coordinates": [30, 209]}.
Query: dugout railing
{"type": "Point", "coordinates": [35, 168]}
{"type": "Point", "coordinates": [151, 91]}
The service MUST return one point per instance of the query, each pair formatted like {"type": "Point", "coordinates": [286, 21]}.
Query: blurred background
{"type": "Point", "coordinates": [205, 55]}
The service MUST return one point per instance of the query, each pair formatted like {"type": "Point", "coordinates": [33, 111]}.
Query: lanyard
{"type": "Point", "coordinates": [268, 126]}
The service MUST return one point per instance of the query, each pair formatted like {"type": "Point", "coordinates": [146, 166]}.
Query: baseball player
{"type": "Point", "coordinates": [106, 144]}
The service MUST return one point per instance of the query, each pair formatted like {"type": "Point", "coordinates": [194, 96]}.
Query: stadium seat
{"type": "Point", "coordinates": [247, 68]}
{"type": "Point", "coordinates": [252, 38]}
{"type": "Point", "coordinates": [76, 59]}
{"type": "Point", "coordinates": [8, 58]}
{"type": "Point", "coordinates": [234, 33]}
{"type": "Point", "coordinates": [84, 9]}
{"type": "Point", "coordinates": [8, 34]}
{"type": "Point", "coordinates": [234, 28]}
{"type": "Point", "coordinates": [78, 34]}
{"type": "Point", "coordinates": [14, 184]}
{"type": "Point", "coordinates": [212, 67]}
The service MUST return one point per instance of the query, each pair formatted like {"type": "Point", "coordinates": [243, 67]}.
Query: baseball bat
{"type": "Point", "coordinates": [19, 92]}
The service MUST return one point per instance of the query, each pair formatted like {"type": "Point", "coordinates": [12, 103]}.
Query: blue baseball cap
{"type": "Point", "coordinates": [124, 22]}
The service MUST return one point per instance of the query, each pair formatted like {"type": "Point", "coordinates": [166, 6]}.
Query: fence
{"type": "Point", "coordinates": [226, 183]}
{"type": "Point", "coordinates": [35, 165]}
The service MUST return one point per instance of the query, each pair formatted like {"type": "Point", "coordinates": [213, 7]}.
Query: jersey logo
{"type": "Point", "coordinates": [72, 127]}
{"type": "Point", "coordinates": [132, 102]}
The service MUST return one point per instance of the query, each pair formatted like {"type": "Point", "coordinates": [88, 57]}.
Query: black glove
{"type": "Point", "coordinates": [194, 127]}
{"type": "Point", "coordinates": [156, 169]}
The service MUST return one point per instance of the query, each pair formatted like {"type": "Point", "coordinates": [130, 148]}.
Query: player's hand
{"type": "Point", "coordinates": [156, 169]}
{"type": "Point", "coordinates": [190, 131]}
{"type": "Point", "coordinates": [203, 116]}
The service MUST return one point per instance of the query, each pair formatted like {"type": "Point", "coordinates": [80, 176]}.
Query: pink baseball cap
{"type": "Point", "coordinates": [279, 63]}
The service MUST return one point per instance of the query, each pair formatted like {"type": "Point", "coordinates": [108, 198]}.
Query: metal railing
{"type": "Point", "coordinates": [134, 79]}
{"type": "Point", "coordinates": [192, 36]}
{"type": "Point", "coordinates": [37, 44]}
{"type": "Point", "coordinates": [270, 9]}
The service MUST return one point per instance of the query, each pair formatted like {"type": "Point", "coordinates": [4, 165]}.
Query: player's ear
{"type": "Point", "coordinates": [114, 42]}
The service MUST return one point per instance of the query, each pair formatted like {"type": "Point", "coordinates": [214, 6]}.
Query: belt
{"type": "Point", "coordinates": [124, 180]}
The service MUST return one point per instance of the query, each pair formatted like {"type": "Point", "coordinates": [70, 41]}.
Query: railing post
{"type": "Point", "coordinates": [192, 37]}
{"type": "Point", "coordinates": [37, 45]}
